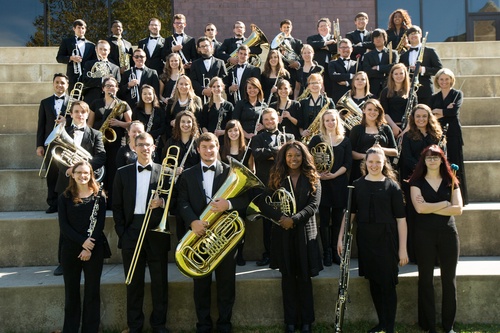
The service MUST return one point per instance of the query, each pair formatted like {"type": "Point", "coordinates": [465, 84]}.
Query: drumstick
{"type": "Point", "coordinates": [454, 168]}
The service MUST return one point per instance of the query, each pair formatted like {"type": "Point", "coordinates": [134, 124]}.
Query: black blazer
{"type": "Point", "coordinates": [338, 73]}
{"type": "Point", "coordinates": [378, 77]}
{"type": "Point", "coordinates": [229, 45]}
{"type": "Point", "coordinates": [149, 76]}
{"type": "Point", "coordinates": [91, 142]}
{"type": "Point", "coordinates": [216, 44]}
{"type": "Point", "coordinates": [432, 64]}
{"type": "Point", "coordinates": [198, 69]}
{"type": "Point", "coordinates": [355, 38]}
{"type": "Point", "coordinates": [64, 53]}
{"type": "Point", "coordinates": [114, 53]}
{"type": "Point", "coordinates": [93, 86]}
{"type": "Point", "coordinates": [124, 196]}
{"type": "Point", "coordinates": [320, 55]}
{"type": "Point", "coordinates": [250, 71]}
{"type": "Point", "coordinates": [190, 202]}
{"type": "Point", "coordinates": [155, 60]}
{"type": "Point", "coordinates": [188, 48]}
{"type": "Point", "coordinates": [47, 118]}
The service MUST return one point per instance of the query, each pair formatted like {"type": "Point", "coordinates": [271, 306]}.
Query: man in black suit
{"type": "Point", "coordinates": [116, 43]}
{"type": "Point", "coordinates": [205, 68]}
{"type": "Point", "coordinates": [143, 75]}
{"type": "Point", "coordinates": [325, 46]}
{"type": "Point", "coordinates": [377, 64]}
{"type": "Point", "coordinates": [265, 147]}
{"type": "Point", "coordinates": [153, 46]}
{"type": "Point", "coordinates": [76, 51]}
{"type": "Point", "coordinates": [93, 80]}
{"type": "Point", "coordinates": [201, 181]}
{"type": "Point", "coordinates": [236, 78]}
{"type": "Point", "coordinates": [132, 189]}
{"type": "Point", "coordinates": [360, 38]}
{"type": "Point", "coordinates": [430, 65]}
{"type": "Point", "coordinates": [292, 65]}
{"type": "Point", "coordinates": [51, 112]}
{"type": "Point", "coordinates": [231, 44]}
{"type": "Point", "coordinates": [211, 33]}
{"type": "Point", "coordinates": [183, 44]}
{"type": "Point", "coordinates": [86, 138]}
{"type": "Point", "coordinates": [342, 70]}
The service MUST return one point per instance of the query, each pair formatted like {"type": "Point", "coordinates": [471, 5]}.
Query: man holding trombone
{"type": "Point", "coordinates": [133, 186]}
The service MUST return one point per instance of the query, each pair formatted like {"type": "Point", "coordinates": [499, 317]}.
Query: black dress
{"type": "Point", "coordinates": [454, 139]}
{"type": "Point", "coordinates": [125, 156]}
{"type": "Point", "coordinates": [248, 114]}
{"type": "Point", "coordinates": [74, 220]}
{"type": "Point", "coordinates": [394, 106]}
{"type": "Point", "coordinates": [210, 116]}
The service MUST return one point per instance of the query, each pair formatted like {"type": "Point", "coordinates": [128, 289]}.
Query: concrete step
{"type": "Point", "coordinates": [18, 118]}
{"type": "Point", "coordinates": [479, 85]}
{"type": "Point", "coordinates": [38, 72]}
{"type": "Point", "coordinates": [478, 228]}
{"type": "Point", "coordinates": [473, 66]}
{"type": "Point", "coordinates": [467, 49]}
{"type": "Point", "coordinates": [36, 291]}
{"type": "Point", "coordinates": [27, 55]}
{"type": "Point", "coordinates": [19, 151]}
{"type": "Point", "coordinates": [476, 139]}
{"type": "Point", "coordinates": [480, 111]}
{"type": "Point", "coordinates": [482, 180]}
{"type": "Point", "coordinates": [24, 92]}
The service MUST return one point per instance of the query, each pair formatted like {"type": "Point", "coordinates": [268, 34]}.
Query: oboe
{"type": "Point", "coordinates": [95, 211]}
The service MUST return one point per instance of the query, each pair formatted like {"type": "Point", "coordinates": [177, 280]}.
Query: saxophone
{"type": "Point", "coordinates": [315, 125]}
{"type": "Point", "coordinates": [123, 56]}
{"type": "Point", "coordinates": [109, 134]}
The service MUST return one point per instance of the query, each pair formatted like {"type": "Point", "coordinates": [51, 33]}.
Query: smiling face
{"type": "Point", "coordinates": [81, 174]}
{"type": "Point", "coordinates": [208, 151]}
{"type": "Point", "coordinates": [148, 95]}
{"type": "Point", "coordinates": [154, 27]}
{"type": "Point", "coordinates": [270, 121]}
{"type": "Point", "coordinates": [135, 130]}
{"type": "Point", "coordinates": [323, 28]}
{"type": "Point", "coordinates": [252, 91]}
{"type": "Point", "coordinates": [110, 87]}
{"type": "Point", "coordinates": [233, 133]}
{"type": "Point", "coordinates": [375, 164]}
{"type": "Point", "coordinates": [284, 90]}
{"type": "Point", "coordinates": [398, 75]}
{"type": "Point", "coordinates": [139, 58]}
{"type": "Point", "coordinates": [360, 82]}
{"type": "Point", "coordinates": [217, 87]}
{"type": "Point", "coordinates": [79, 115]}
{"type": "Point", "coordinates": [174, 61]}
{"type": "Point", "coordinates": [117, 29]}
{"type": "Point", "coordinates": [371, 112]}
{"type": "Point", "coordinates": [293, 158]}
{"type": "Point", "coordinates": [345, 50]}
{"type": "Point", "coordinates": [444, 81]}
{"type": "Point", "coordinates": [361, 22]}
{"type": "Point", "coordinates": [330, 122]}
{"type": "Point", "coordinates": [186, 124]}
{"type": "Point", "coordinates": [144, 148]}
{"type": "Point", "coordinates": [183, 86]}
{"type": "Point", "coordinates": [421, 118]}
{"type": "Point", "coordinates": [60, 85]}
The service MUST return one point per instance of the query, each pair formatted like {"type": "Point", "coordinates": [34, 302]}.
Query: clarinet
{"type": "Point", "coordinates": [343, 295]}
{"type": "Point", "coordinates": [443, 136]}
{"type": "Point", "coordinates": [95, 211]}
{"type": "Point", "coordinates": [150, 121]}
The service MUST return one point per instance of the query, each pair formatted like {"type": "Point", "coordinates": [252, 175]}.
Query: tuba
{"type": "Point", "coordinates": [109, 134]}
{"type": "Point", "coordinates": [350, 113]}
{"type": "Point", "coordinates": [198, 256]}
{"type": "Point", "coordinates": [168, 169]}
{"type": "Point", "coordinates": [257, 38]}
{"type": "Point", "coordinates": [279, 42]}
{"type": "Point", "coordinates": [323, 157]}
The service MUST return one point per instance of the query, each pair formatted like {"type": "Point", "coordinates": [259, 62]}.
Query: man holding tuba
{"type": "Point", "coordinates": [232, 44]}
{"type": "Point", "coordinates": [203, 180]}
{"type": "Point", "coordinates": [132, 190]}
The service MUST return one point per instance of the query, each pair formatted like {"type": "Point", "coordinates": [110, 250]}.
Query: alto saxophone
{"type": "Point", "coordinates": [315, 125]}
{"type": "Point", "coordinates": [109, 134]}
{"type": "Point", "coordinates": [123, 56]}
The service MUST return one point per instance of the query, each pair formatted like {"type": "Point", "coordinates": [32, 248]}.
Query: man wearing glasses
{"type": "Point", "coordinates": [181, 43]}
{"type": "Point", "coordinates": [342, 70]}
{"type": "Point", "coordinates": [211, 33]}
{"type": "Point", "coordinates": [153, 45]}
{"type": "Point", "coordinates": [137, 76]}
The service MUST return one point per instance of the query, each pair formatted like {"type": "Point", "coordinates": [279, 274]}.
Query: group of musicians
{"type": "Point", "coordinates": [210, 100]}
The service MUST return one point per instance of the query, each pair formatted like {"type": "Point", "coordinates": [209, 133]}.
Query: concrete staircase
{"type": "Point", "coordinates": [33, 299]}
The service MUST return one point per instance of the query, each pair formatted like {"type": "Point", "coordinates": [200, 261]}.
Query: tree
{"type": "Point", "coordinates": [132, 13]}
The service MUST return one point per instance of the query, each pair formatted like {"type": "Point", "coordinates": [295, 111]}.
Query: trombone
{"type": "Point", "coordinates": [168, 169]}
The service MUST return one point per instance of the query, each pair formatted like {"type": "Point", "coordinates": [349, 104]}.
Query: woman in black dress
{"type": "Point", "coordinates": [295, 249]}
{"type": "Point", "coordinates": [373, 131]}
{"type": "Point", "coordinates": [171, 71]}
{"type": "Point", "coordinates": [82, 248]}
{"type": "Point", "coordinates": [360, 89]}
{"type": "Point", "coordinates": [274, 71]}
{"type": "Point", "coordinates": [381, 234]}
{"type": "Point", "coordinates": [307, 67]}
{"type": "Point", "coordinates": [445, 105]}
{"type": "Point", "coordinates": [399, 22]}
{"type": "Point", "coordinates": [436, 196]}
{"type": "Point", "coordinates": [217, 112]}
{"type": "Point", "coordinates": [288, 110]}
{"type": "Point", "coordinates": [249, 109]}
{"type": "Point", "coordinates": [333, 182]}
{"type": "Point", "coordinates": [126, 154]}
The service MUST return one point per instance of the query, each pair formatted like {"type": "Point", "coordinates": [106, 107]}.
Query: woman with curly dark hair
{"type": "Point", "coordinates": [399, 22]}
{"type": "Point", "coordinates": [378, 205]}
{"type": "Point", "coordinates": [295, 249]}
{"type": "Point", "coordinates": [436, 196]}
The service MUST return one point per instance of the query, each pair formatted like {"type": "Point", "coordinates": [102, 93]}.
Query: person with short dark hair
{"type": "Point", "coordinates": [119, 47]}
{"type": "Point", "coordinates": [211, 33]}
{"type": "Point", "coordinates": [342, 70]}
{"type": "Point", "coordinates": [361, 38]}
{"type": "Point", "coordinates": [127, 154]}
{"type": "Point", "coordinates": [181, 43]}
{"type": "Point", "coordinates": [250, 107]}
{"type": "Point", "coordinates": [232, 44]}
{"type": "Point", "coordinates": [153, 46]}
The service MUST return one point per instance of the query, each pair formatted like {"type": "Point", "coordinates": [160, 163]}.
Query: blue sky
{"type": "Point", "coordinates": [16, 21]}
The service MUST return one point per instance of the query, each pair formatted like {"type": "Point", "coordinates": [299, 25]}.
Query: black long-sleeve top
{"type": "Point", "coordinates": [159, 126]}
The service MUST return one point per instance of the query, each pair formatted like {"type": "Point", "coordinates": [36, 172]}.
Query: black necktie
{"type": "Point", "coordinates": [141, 168]}
{"type": "Point", "coordinates": [151, 37]}
{"type": "Point", "coordinates": [413, 49]}
{"type": "Point", "coordinates": [80, 38]}
{"type": "Point", "coordinates": [78, 129]}
{"type": "Point", "coordinates": [212, 168]}
{"type": "Point", "coordinates": [56, 98]}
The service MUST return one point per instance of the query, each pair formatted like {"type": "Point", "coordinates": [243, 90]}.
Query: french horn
{"type": "Point", "coordinates": [323, 157]}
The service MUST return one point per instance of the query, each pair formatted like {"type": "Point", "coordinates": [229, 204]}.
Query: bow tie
{"type": "Point", "coordinates": [342, 59]}
{"type": "Point", "coordinates": [380, 51]}
{"type": "Point", "coordinates": [276, 132]}
{"type": "Point", "coordinates": [80, 38]}
{"type": "Point", "coordinates": [177, 35]}
{"type": "Point", "coordinates": [239, 39]}
{"type": "Point", "coordinates": [78, 129]}
{"type": "Point", "coordinates": [141, 168]}
{"type": "Point", "coordinates": [211, 168]}
{"type": "Point", "coordinates": [206, 57]}
{"type": "Point", "coordinates": [139, 69]}
{"type": "Point", "coordinates": [240, 66]}
{"type": "Point", "coordinates": [413, 49]}
{"type": "Point", "coordinates": [151, 37]}
{"type": "Point", "coordinates": [56, 97]}
{"type": "Point", "coordinates": [361, 32]}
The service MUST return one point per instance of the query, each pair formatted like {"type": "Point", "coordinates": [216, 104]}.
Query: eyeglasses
{"type": "Point", "coordinates": [109, 86]}
{"type": "Point", "coordinates": [204, 46]}
{"type": "Point", "coordinates": [433, 158]}
{"type": "Point", "coordinates": [144, 145]}
{"type": "Point", "coordinates": [139, 57]}
{"type": "Point", "coordinates": [209, 29]}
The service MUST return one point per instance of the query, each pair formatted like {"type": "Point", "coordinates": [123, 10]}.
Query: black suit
{"type": "Point", "coordinates": [154, 250]}
{"type": "Point", "coordinates": [249, 71]}
{"type": "Point", "coordinates": [188, 48]}
{"type": "Point", "coordinates": [378, 77]}
{"type": "Point", "coordinates": [366, 43]}
{"type": "Point", "coordinates": [340, 71]}
{"type": "Point", "coordinates": [47, 116]}
{"type": "Point", "coordinates": [114, 53]}
{"type": "Point", "coordinates": [322, 56]}
{"type": "Point", "coordinates": [65, 52]}
{"type": "Point", "coordinates": [149, 76]}
{"type": "Point", "coordinates": [155, 60]}
{"type": "Point", "coordinates": [230, 45]}
{"type": "Point", "coordinates": [190, 205]}
{"type": "Point", "coordinates": [198, 70]}
{"type": "Point", "coordinates": [216, 45]}
{"type": "Point", "coordinates": [432, 64]}
{"type": "Point", "coordinates": [93, 86]}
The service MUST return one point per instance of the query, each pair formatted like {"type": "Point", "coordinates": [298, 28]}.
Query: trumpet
{"type": "Point", "coordinates": [77, 66]}
{"type": "Point", "coordinates": [109, 134]}
{"type": "Point", "coordinates": [206, 82]}
{"type": "Point", "coordinates": [99, 70]}
{"type": "Point", "coordinates": [236, 94]}
{"type": "Point", "coordinates": [168, 169]}
{"type": "Point", "coordinates": [174, 43]}
{"type": "Point", "coordinates": [134, 91]}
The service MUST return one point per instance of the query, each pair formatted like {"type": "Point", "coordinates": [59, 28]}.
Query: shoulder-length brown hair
{"type": "Point", "coordinates": [280, 70]}
{"type": "Point", "coordinates": [155, 102]}
{"type": "Point", "coordinates": [72, 189]}
{"type": "Point", "coordinates": [256, 83]}
{"type": "Point", "coordinates": [176, 133]}
{"type": "Point", "coordinates": [391, 84]}
{"type": "Point", "coordinates": [226, 148]}
{"type": "Point", "coordinates": [167, 70]}
{"type": "Point", "coordinates": [367, 86]}
{"type": "Point", "coordinates": [433, 127]}
{"type": "Point", "coordinates": [381, 114]}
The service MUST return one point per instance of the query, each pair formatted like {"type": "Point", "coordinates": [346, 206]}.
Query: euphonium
{"type": "Point", "coordinates": [323, 157]}
{"type": "Point", "coordinates": [109, 134]}
{"type": "Point", "coordinates": [168, 169]}
{"type": "Point", "coordinates": [198, 256]}
{"type": "Point", "coordinates": [315, 125]}
{"type": "Point", "coordinates": [350, 113]}
{"type": "Point", "coordinates": [256, 38]}
{"type": "Point", "coordinates": [64, 149]}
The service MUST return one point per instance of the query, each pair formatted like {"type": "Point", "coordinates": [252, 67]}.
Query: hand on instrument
{"type": "Point", "coordinates": [286, 222]}
{"type": "Point", "coordinates": [156, 201]}
{"type": "Point", "coordinates": [60, 119]}
{"type": "Point", "coordinates": [133, 83]}
{"type": "Point", "coordinates": [234, 87]}
{"type": "Point", "coordinates": [340, 246]}
{"type": "Point", "coordinates": [89, 244]}
{"type": "Point", "coordinates": [40, 151]}
{"type": "Point", "coordinates": [177, 48]}
{"type": "Point", "coordinates": [219, 205]}
{"type": "Point", "coordinates": [85, 255]}
{"type": "Point", "coordinates": [199, 227]}
{"type": "Point", "coordinates": [75, 58]}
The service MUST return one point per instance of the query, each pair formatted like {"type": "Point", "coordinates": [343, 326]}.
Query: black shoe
{"type": "Point", "coordinates": [240, 261]}
{"type": "Point", "coordinates": [327, 258]}
{"type": "Point", "coordinates": [290, 329]}
{"type": "Point", "coordinates": [306, 328]}
{"type": "Point", "coordinates": [58, 271]}
{"type": "Point", "coordinates": [377, 329]}
{"type": "Point", "coordinates": [51, 209]}
{"type": "Point", "coordinates": [264, 262]}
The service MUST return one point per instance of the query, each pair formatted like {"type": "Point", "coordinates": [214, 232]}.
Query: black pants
{"type": "Point", "coordinates": [225, 275]}
{"type": "Point", "coordinates": [430, 245]}
{"type": "Point", "coordinates": [385, 300]}
{"type": "Point", "coordinates": [51, 179]}
{"type": "Point", "coordinates": [92, 270]}
{"type": "Point", "coordinates": [154, 253]}
{"type": "Point", "coordinates": [330, 234]}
